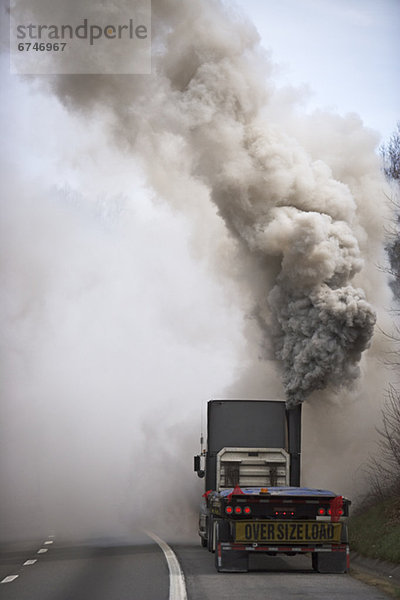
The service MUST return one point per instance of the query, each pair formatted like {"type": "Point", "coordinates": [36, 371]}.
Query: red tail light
{"type": "Point", "coordinates": [340, 512]}
{"type": "Point", "coordinates": [238, 510]}
{"type": "Point", "coordinates": [229, 510]}
{"type": "Point", "coordinates": [321, 511]}
{"type": "Point", "coordinates": [247, 510]}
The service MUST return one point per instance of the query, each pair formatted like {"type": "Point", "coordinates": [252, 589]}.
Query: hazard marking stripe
{"type": "Point", "coordinates": [219, 555]}
{"type": "Point", "coordinates": [256, 548]}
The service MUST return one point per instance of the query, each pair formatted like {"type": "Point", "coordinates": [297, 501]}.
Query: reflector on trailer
{"type": "Point", "coordinates": [336, 508]}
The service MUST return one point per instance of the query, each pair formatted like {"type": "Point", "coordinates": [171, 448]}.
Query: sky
{"type": "Point", "coordinates": [345, 52]}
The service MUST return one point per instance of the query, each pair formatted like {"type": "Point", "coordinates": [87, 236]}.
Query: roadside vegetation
{"type": "Point", "coordinates": [375, 531]}
{"type": "Point", "coordinates": [375, 528]}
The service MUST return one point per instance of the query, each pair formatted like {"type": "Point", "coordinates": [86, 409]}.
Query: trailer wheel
{"type": "Point", "coordinates": [203, 542]}
{"type": "Point", "coordinates": [314, 561]}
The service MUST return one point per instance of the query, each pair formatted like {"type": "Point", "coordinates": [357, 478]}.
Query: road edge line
{"type": "Point", "coordinates": [177, 586]}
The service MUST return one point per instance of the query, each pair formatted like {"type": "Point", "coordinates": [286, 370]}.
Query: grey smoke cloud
{"type": "Point", "coordinates": [321, 337]}
{"type": "Point", "coordinates": [200, 116]}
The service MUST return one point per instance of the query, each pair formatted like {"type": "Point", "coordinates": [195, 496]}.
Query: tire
{"type": "Point", "coordinates": [203, 542]}
{"type": "Point", "coordinates": [314, 561]}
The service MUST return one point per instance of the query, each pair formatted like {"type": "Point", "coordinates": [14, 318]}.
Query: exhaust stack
{"type": "Point", "coordinates": [293, 416]}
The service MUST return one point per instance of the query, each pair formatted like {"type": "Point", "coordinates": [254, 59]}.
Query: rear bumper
{"type": "Point", "coordinates": [226, 546]}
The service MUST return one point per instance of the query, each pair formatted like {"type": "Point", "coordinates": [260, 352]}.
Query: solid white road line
{"type": "Point", "coordinates": [177, 587]}
{"type": "Point", "coordinates": [9, 579]}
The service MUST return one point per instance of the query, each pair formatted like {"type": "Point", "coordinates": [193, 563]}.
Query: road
{"type": "Point", "coordinates": [117, 570]}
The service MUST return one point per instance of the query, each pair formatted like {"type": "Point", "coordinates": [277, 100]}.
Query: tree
{"type": "Point", "coordinates": [385, 470]}
{"type": "Point", "coordinates": [390, 153]}
{"type": "Point", "coordinates": [391, 156]}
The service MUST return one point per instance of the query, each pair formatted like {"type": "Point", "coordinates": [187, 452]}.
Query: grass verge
{"type": "Point", "coordinates": [375, 531]}
{"type": "Point", "coordinates": [384, 585]}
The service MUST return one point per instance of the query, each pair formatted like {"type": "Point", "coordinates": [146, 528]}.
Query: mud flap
{"type": "Point", "coordinates": [231, 561]}
{"type": "Point", "coordinates": [330, 562]}
{"type": "Point", "coordinates": [227, 560]}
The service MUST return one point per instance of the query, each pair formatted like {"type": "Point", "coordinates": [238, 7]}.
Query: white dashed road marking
{"type": "Point", "coordinates": [31, 561]}
{"type": "Point", "coordinates": [9, 579]}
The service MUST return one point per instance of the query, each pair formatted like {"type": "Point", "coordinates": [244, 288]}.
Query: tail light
{"type": "Point", "coordinates": [339, 512]}
{"type": "Point", "coordinates": [321, 511]}
{"type": "Point", "coordinates": [229, 510]}
{"type": "Point", "coordinates": [283, 514]}
{"type": "Point", "coordinates": [247, 510]}
{"type": "Point", "coordinates": [238, 510]}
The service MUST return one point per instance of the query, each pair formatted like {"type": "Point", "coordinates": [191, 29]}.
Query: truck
{"type": "Point", "coordinates": [253, 501]}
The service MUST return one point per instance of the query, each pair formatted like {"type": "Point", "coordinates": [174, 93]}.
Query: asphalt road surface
{"type": "Point", "coordinates": [51, 569]}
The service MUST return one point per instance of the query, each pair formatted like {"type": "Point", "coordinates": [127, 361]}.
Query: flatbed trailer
{"type": "Point", "coordinates": [277, 520]}
{"type": "Point", "coordinates": [253, 501]}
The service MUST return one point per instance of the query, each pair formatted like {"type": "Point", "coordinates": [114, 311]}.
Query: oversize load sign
{"type": "Point", "coordinates": [294, 531]}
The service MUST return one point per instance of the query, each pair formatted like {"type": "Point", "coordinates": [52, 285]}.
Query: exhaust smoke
{"type": "Point", "coordinates": [200, 116]}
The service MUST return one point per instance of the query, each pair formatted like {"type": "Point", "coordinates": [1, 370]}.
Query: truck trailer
{"type": "Point", "coordinates": [253, 501]}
